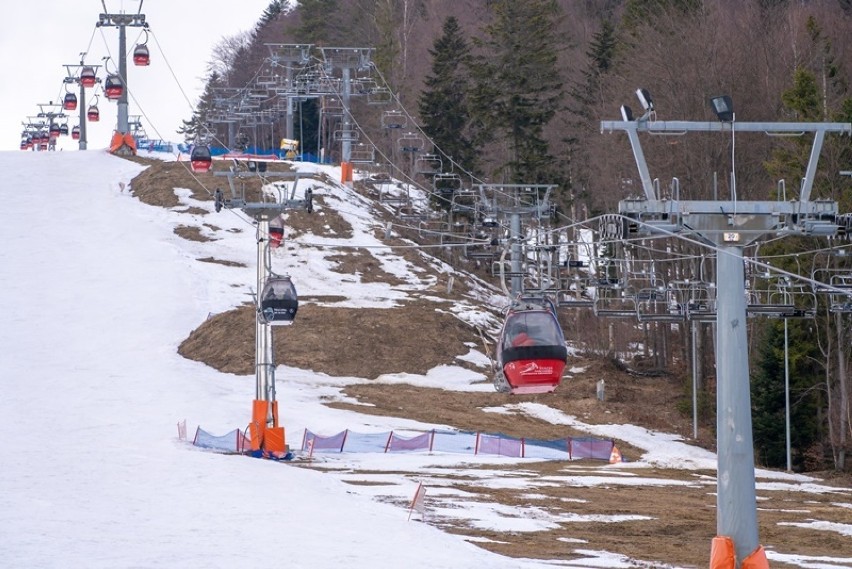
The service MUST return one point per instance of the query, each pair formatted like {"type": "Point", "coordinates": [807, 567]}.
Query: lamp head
{"type": "Point", "coordinates": [723, 106]}
{"type": "Point", "coordinates": [645, 99]}
{"type": "Point", "coordinates": [626, 113]}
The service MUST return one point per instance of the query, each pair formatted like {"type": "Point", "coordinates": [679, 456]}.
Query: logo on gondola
{"type": "Point", "coordinates": [533, 368]}
{"type": "Point", "coordinates": [269, 314]}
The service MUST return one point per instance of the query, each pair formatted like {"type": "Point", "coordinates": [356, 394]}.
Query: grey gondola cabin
{"type": "Point", "coordinates": [278, 302]}
{"type": "Point", "coordinates": [200, 159]}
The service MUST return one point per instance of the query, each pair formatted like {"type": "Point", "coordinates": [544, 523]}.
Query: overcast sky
{"type": "Point", "coordinates": [37, 38]}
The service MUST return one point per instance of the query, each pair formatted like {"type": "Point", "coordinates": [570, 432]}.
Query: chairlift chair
{"type": "Point", "coordinates": [394, 119]}
{"type": "Point", "coordinates": [446, 184]}
{"type": "Point", "coordinates": [200, 159]}
{"type": "Point", "coordinates": [614, 302]}
{"type": "Point", "coordinates": [532, 353]}
{"type": "Point", "coordinates": [661, 304]}
{"type": "Point", "coordinates": [410, 143]}
{"type": "Point", "coordinates": [837, 284]}
{"type": "Point", "coordinates": [428, 164]}
{"type": "Point", "coordinates": [278, 302]}
{"type": "Point", "coordinates": [362, 154]}
{"type": "Point", "coordinates": [379, 96]}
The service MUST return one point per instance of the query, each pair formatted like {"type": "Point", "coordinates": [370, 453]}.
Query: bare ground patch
{"type": "Point", "coordinates": [337, 341]}
{"type": "Point", "coordinates": [191, 233]}
{"type": "Point", "coordinates": [221, 262]}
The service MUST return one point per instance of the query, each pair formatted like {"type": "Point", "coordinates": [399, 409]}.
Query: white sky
{"type": "Point", "coordinates": [98, 292]}
{"type": "Point", "coordinates": [37, 38]}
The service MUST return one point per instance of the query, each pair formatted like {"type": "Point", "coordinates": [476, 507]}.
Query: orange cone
{"type": "Point", "coordinates": [615, 455]}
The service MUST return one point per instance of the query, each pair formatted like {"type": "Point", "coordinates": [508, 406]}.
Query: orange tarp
{"type": "Point", "coordinates": [258, 423]}
{"type": "Point", "coordinates": [256, 435]}
{"type": "Point", "coordinates": [122, 143]}
{"type": "Point", "coordinates": [756, 559]}
{"type": "Point", "coordinates": [273, 440]}
{"type": "Point", "coordinates": [722, 553]}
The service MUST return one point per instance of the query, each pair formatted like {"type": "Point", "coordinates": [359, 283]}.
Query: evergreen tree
{"type": "Point", "coordinates": [275, 8]}
{"type": "Point", "coordinates": [586, 95]}
{"type": "Point", "coordinates": [768, 397]}
{"type": "Point", "coordinates": [317, 22]}
{"type": "Point", "coordinates": [518, 88]}
{"type": "Point", "coordinates": [646, 12]}
{"type": "Point", "coordinates": [196, 127]}
{"type": "Point", "coordinates": [443, 103]}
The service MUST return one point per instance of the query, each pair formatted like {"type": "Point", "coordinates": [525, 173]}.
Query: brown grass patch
{"type": "Point", "coordinates": [337, 341]}
{"type": "Point", "coordinates": [221, 262]}
{"type": "Point", "coordinates": [191, 233]}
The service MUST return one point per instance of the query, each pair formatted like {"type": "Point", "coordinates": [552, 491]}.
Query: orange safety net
{"type": "Point", "coordinates": [122, 143]}
{"type": "Point", "coordinates": [722, 553]}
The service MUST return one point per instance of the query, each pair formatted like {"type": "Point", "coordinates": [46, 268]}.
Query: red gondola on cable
{"type": "Point", "coordinates": [70, 102]}
{"type": "Point", "coordinates": [141, 55]}
{"type": "Point", "coordinates": [75, 132]}
{"type": "Point", "coordinates": [93, 114]}
{"type": "Point", "coordinates": [200, 159]}
{"type": "Point", "coordinates": [113, 87]}
{"type": "Point", "coordinates": [276, 232]}
{"type": "Point", "coordinates": [25, 144]}
{"type": "Point", "coordinates": [532, 352]}
{"type": "Point", "coordinates": [54, 131]}
{"type": "Point", "coordinates": [278, 301]}
{"type": "Point", "coordinates": [87, 77]}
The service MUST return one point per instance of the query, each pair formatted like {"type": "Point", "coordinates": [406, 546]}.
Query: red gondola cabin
{"type": "Point", "coordinates": [88, 77]}
{"type": "Point", "coordinates": [141, 55]}
{"type": "Point", "coordinates": [94, 115]}
{"type": "Point", "coordinates": [75, 132]}
{"type": "Point", "coordinates": [113, 87]}
{"type": "Point", "coordinates": [70, 102]}
{"type": "Point", "coordinates": [532, 352]}
{"type": "Point", "coordinates": [200, 159]}
{"type": "Point", "coordinates": [276, 232]}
